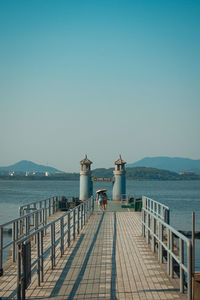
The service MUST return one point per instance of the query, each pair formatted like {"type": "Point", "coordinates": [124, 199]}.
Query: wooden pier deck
{"type": "Point", "coordinates": [108, 260]}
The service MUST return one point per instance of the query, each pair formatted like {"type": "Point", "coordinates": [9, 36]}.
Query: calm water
{"type": "Point", "coordinates": [182, 197]}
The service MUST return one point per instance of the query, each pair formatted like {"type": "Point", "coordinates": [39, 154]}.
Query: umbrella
{"type": "Point", "coordinates": [101, 190]}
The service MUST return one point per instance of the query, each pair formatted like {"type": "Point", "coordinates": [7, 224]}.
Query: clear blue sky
{"type": "Point", "coordinates": [99, 77]}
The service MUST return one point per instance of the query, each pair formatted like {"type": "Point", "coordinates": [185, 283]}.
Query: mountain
{"type": "Point", "coordinates": [134, 173]}
{"type": "Point", "coordinates": [175, 164]}
{"type": "Point", "coordinates": [28, 166]}
{"type": "Point", "coordinates": [102, 172]}
{"type": "Point", "coordinates": [143, 173]}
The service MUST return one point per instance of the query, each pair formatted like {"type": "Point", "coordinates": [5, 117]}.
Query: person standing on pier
{"type": "Point", "coordinates": [105, 201]}
{"type": "Point", "coordinates": [100, 198]}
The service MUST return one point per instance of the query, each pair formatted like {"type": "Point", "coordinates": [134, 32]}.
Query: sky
{"type": "Point", "coordinates": [101, 78]}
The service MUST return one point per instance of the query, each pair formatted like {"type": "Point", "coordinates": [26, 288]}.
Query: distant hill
{"type": "Point", "coordinates": [132, 173]}
{"type": "Point", "coordinates": [143, 173]}
{"type": "Point", "coordinates": [28, 166]}
{"type": "Point", "coordinates": [102, 172]}
{"type": "Point", "coordinates": [176, 164]}
{"type": "Point", "coordinates": [135, 173]}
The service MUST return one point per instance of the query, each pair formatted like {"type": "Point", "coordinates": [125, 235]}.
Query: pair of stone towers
{"type": "Point", "coordinates": [119, 179]}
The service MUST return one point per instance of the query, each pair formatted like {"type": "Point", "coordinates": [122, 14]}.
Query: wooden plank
{"type": "Point", "coordinates": [109, 259]}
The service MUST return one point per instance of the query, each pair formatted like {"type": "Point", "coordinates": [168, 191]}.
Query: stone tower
{"type": "Point", "coordinates": [119, 185]}
{"type": "Point", "coordinates": [86, 184]}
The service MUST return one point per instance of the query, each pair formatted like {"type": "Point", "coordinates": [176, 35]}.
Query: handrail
{"type": "Point", "coordinates": [21, 226]}
{"type": "Point", "coordinates": [61, 231]}
{"type": "Point", "coordinates": [162, 237]}
{"type": "Point", "coordinates": [50, 204]}
{"type": "Point", "coordinates": [158, 209]}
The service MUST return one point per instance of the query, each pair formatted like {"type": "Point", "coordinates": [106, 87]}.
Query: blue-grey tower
{"type": "Point", "coordinates": [119, 184]}
{"type": "Point", "coordinates": [86, 184]}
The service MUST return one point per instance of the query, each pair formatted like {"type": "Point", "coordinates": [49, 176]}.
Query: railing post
{"type": "Point", "coordinates": [21, 224]}
{"type": "Point", "coordinates": [154, 208]}
{"type": "Point", "coordinates": [20, 211]}
{"type": "Point", "coordinates": [28, 209]}
{"type": "Point", "coordinates": [181, 257]}
{"type": "Point", "coordinates": [52, 246]}
{"type": "Point", "coordinates": [143, 223]}
{"type": "Point", "coordinates": [153, 235]}
{"type": "Point", "coordinates": [32, 210]}
{"type": "Point", "coordinates": [1, 251]}
{"type": "Point", "coordinates": [36, 223]}
{"type": "Point", "coordinates": [171, 258]}
{"type": "Point", "coordinates": [13, 241]}
{"type": "Point", "coordinates": [166, 216]}
{"type": "Point", "coordinates": [74, 223]}
{"type": "Point", "coordinates": [162, 213]}
{"type": "Point", "coordinates": [69, 228]}
{"type": "Point", "coordinates": [40, 207]}
{"type": "Point", "coordinates": [38, 257]}
{"type": "Point", "coordinates": [49, 202]}
{"type": "Point", "coordinates": [41, 255]}
{"type": "Point", "coordinates": [19, 272]}
{"type": "Point", "coordinates": [16, 234]}
{"type": "Point", "coordinates": [45, 214]}
{"type": "Point", "coordinates": [45, 218]}
{"type": "Point", "coordinates": [168, 255]}
{"type": "Point", "coordinates": [26, 225]}
{"type": "Point", "coordinates": [61, 236]}
{"type": "Point", "coordinates": [78, 220]}
{"type": "Point", "coordinates": [161, 239]}
{"type": "Point", "coordinates": [144, 215]}
{"type": "Point", "coordinates": [55, 206]}
{"type": "Point", "coordinates": [148, 229]}
{"type": "Point", "coordinates": [53, 201]}
{"type": "Point", "coordinates": [189, 263]}
{"type": "Point", "coordinates": [193, 242]}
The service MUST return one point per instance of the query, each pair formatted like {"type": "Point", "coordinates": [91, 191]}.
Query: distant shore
{"type": "Point", "coordinates": [55, 178]}
{"type": "Point", "coordinates": [135, 173]}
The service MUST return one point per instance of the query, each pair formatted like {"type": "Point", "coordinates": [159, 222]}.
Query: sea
{"type": "Point", "coordinates": [182, 197]}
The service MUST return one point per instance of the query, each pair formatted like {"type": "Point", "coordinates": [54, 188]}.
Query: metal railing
{"type": "Point", "coordinates": [172, 247]}
{"type": "Point", "coordinates": [158, 209]}
{"type": "Point", "coordinates": [60, 232]}
{"type": "Point", "coordinates": [20, 227]}
{"type": "Point", "coordinates": [49, 204]}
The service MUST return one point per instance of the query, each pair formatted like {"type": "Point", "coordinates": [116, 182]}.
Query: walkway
{"type": "Point", "coordinates": [109, 260]}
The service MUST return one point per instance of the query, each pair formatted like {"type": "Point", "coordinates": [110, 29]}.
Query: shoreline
{"type": "Point", "coordinates": [24, 178]}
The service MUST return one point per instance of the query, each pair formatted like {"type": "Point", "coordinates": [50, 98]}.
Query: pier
{"type": "Point", "coordinates": [89, 254]}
